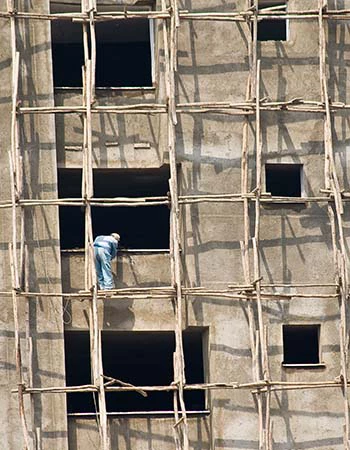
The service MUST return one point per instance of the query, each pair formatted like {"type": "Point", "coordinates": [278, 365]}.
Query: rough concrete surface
{"type": "Point", "coordinates": [295, 240]}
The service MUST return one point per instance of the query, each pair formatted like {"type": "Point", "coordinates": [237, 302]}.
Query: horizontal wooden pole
{"type": "Point", "coordinates": [239, 16]}
{"type": "Point", "coordinates": [84, 17]}
{"type": "Point", "coordinates": [164, 200]}
{"type": "Point", "coordinates": [168, 293]}
{"type": "Point", "coordinates": [248, 107]}
{"type": "Point", "coordinates": [253, 295]}
{"type": "Point", "coordinates": [125, 109]}
{"type": "Point", "coordinates": [260, 386]}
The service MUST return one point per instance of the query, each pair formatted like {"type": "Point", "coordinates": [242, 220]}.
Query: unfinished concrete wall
{"type": "Point", "coordinates": [41, 326]}
{"type": "Point", "coordinates": [296, 243]}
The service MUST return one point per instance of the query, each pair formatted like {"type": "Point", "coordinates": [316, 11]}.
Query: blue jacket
{"type": "Point", "coordinates": [108, 243]}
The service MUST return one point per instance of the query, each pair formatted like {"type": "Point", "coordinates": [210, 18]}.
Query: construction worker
{"type": "Point", "coordinates": [105, 249]}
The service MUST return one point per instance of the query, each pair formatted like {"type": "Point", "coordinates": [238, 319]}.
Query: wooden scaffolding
{"type": "Point", "coordinates": [254, 291]}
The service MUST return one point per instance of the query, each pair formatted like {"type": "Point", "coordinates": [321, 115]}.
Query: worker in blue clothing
{"type": "Point", "coordinates": [105, 249]}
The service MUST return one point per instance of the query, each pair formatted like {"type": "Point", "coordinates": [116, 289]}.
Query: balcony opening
{"type": "Point", "coordinates": [272, 29]}
{"type": "Point", "coordinates": [140, 227]}
{"type": "Point", "coordinates": [123, 51]}
{"type": "Point", "coordinates": [301, 344]}
{"type": "Point", "coordinates": [284, 180]}
{"type": "Point", "coordinates": [139, 358]}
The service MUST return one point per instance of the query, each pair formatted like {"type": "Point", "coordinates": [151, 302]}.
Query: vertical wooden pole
{"type": "Point", "coordinates": [246, 217]}
{"type": "Point", "coordinates": [259, 394]}
{"type": "Point", "coordinates": [15, 74]}
{"type": "Point", "coordinates": [256, 256]}
{"type": "Point", "coordinates": [177, 433]}
{"type": "Point", "coordinates": [19, 370]}
{"type": "Point", "coordinates": [14, 161]}
{"type": "Point", "coordinates": [85, 171]}
{"type": "Point", "coordinates": [170, 55]}
{"type": "Point", "coordinates": [336, 221]}
{"type": "Point", "coordinates": [16, 190]}
{"type": "Point", "coordinates": [268, 423]}
{"type": "Point", "coordinates": [92, 10]}
{"type": "Point", "coordinates": [262, 356]}
{"type": "Point", "coordinates": [254, 52]}
{"type": "Point", "coordinates": [87, 185]}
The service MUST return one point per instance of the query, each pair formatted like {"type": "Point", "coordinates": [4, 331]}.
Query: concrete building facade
{"type": "Point", "coordinates": [228, 327]}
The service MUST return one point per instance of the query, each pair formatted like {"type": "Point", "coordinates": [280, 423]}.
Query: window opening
{"type": "Point", "coordinates": [139, 358]}
{"type": "Point", "coordinates": [123, 51]}
{"type": "Point", "coordinates": [67, 47]}
{"type": "Point", "coordinates": [272, 29]}
{"type": "Point", "coordinates": [78, 370]}
{"type": "Point", "coordinates": [284, 180]}
{"type": "Point", "coordinates": [301, 344]}
{"type": "Point", "coordinates": [141, 227]}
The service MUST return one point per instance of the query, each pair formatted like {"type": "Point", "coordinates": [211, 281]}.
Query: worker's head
{"type": "Point", "coordinates": [116, 236]}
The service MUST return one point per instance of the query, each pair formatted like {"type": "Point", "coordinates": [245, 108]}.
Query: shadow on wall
{"type": "Point", "coordinates": [338, 32]}
{"type": "Point", "coordinates": [338, 42]}
{"type": "Point", "coordinates": [138, 433]}
{"type": "Point", "coordinates": [114, 139]}
{"type": "Point", "coordinates": [37, 144]}
{"type": "Point", "coordinates": [315, 420]}
{"type": "Point", "coordinates": [288, 418]}
{"type": "Point", "coordinates": [193, 75]}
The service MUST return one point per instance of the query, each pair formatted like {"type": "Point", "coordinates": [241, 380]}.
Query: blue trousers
{"type": "Point", "coordinates": [103, 268]}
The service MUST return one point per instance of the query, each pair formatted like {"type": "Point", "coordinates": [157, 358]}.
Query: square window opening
{"type": "Point", "coordinates": [140, 227]}
{"type": "Point", "coordinates": [272, 29]}
{"type": "Point", "coordinates": [124, 51]}
{"type": "Point", "coordinates": [139, 358]}
{"type": "Point", "coordinates": [301, 344]}
{"type": "Point", "coordinates": [284, 180]}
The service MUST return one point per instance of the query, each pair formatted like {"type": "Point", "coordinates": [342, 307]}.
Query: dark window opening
{"type": "Point", "coordinates": [140, 227]}
{"type": "Point", "coordinates": [272, 29]}
{"type": "Point", "coordinates": [301, 344]}
{"type": "Point", "coordinates": [123, 52]}
{"type": "Point", "coordinates": [67, 54]}
{"type": "Point", "coordinates": [283, 180]}
{"type": "Point", "coordinates": [78, 371]}
{"type": "Point", "coordinates": [139, 358]}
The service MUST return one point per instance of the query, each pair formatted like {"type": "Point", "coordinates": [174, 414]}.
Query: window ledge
{"type": "Point", "coordinates": [144, 250]}
{"type": "Point", "coordinates": [271, 203]}
{"type": "Point", "coordinates": [272, 40]}
{"type": "Point", "coordinates": [122, 251]}
{"type": "Point", "coordinates": [147, 414]}
{"type": "Point", "coordinates": [304, 366]}
{"type": "Point", "coordinates": [109, 88]}
{"type": "Point", "coordinates": [280, 199]}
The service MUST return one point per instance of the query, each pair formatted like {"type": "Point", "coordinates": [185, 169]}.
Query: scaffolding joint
{"type": "Point", "coordinates": [254, 283]}
{"type": "Point", "coordinates": [176, 424]}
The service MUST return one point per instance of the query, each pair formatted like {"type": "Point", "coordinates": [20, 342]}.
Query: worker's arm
{"type": "Point", "coordinates": [114, 248]}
